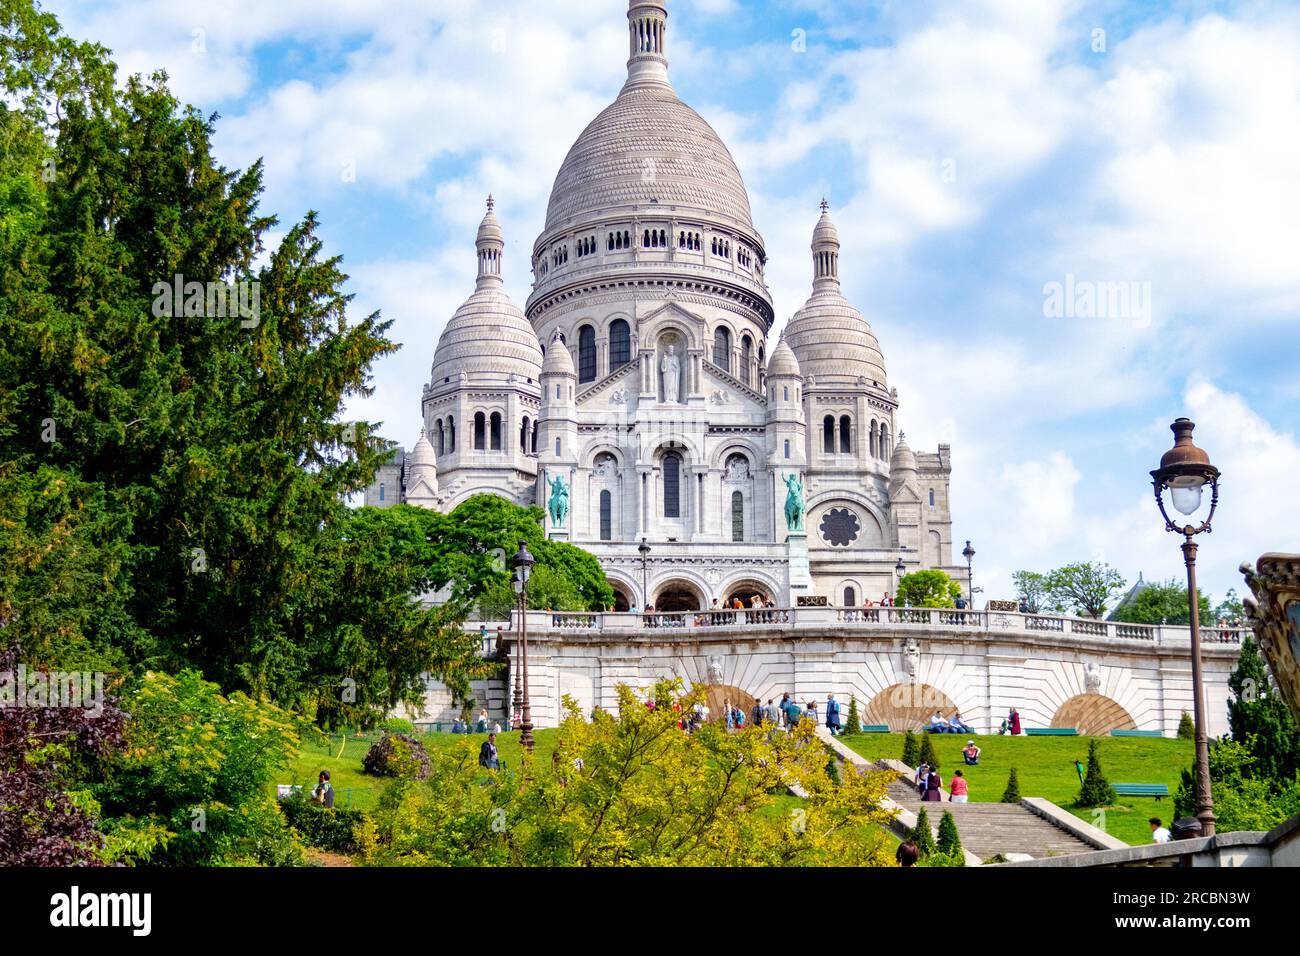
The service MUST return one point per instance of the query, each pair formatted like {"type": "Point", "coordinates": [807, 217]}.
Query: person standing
{"type": "Point", "coordinates": [933, 787]}
{"type": "Point", "coordinates": [832, 715]}
{"type": "Point", "coordinates": [756, 714]}
{"type": "Point", "coordinates": [812, 711]}
{"type": "Point", "coordinates": [957, 788]}
{"type": "Point", "coordinates": [323, 792]}
{"type": "Point", "coordinates": [771, 714]}
{"type": "Point", "coordinates": [1014, 719]}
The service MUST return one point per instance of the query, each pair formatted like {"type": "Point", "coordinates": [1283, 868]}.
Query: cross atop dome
{"type": "Point", "coordinates": [491, 204]}
{"type": "Point", "coordinates": [826, 207]}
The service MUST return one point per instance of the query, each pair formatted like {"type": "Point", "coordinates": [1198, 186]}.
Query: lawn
{"type": "Point", "coordinates": [1045, 766]}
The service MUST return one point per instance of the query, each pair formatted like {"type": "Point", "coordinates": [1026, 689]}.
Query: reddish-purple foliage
{"type": "Point", "coordinates": [39, 825]}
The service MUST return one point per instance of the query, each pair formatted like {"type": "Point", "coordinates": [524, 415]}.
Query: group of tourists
{"type": "Point", "coordinates": [482, 725]}
{"type": "Point", "coordinates": [947, 725]}
{"type": "Point", "coordinates": [1010, 724]}
{"type": "Point", "coordinates": [759, 610]}
{"type": "Point", "coordinates": [930, 785]}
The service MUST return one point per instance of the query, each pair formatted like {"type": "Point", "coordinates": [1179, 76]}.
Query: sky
{"type": "Point", "coordinates": [992, 166]}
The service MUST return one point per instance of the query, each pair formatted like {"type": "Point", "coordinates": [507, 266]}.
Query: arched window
{"type": "Point", "coordinates": [787, 448]}
{"type": "Point", "coordinates": [496, 431]}
{"type": "Point", "coordinates": [620, 344]}
{"type": "Point", "coordinates": [645, 240]}
{"type": "Point", "coordinates": [846, 434]}
{"type": "Point", "coordinates": [884, 442]}
{"type": "Point", "coordinates": [523, 436]}
{"type": "Point", "coordinates": [480, 431]}
{"type": "Point", "coordinates": [746, 353]}
{"type": "Point", "coordinates": [850, 597]}
{"type": "Point", "coordinates": [737, 516]}
{"type": "Point", "coordinates": [442, 438]}
{"type": "Point", "coordinates": [381, 491]}
{"type": "Point", "coordinates": [931, 497]}
{"type": "Point", "coordinates": [722, 348]}
{"type": "Point", "coordinates": [451, 434]}
{"type": "Point", "coordinates": [557, 448]}
{"type": "Point", "coordinates": [785, 393]}
{"type": "Point", "coordinates": [672, 485]}
{"type": "Point", "coordinates": [875, 439]}
{"type": "Point", "coordinates": [828, 434]}
{"type": "Point", "coordinates": [606, 516]}
{"type": "Point", "coordinates": [586, 354]}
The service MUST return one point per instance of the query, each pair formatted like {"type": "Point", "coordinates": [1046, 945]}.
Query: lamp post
{"type": "Point", "coordinates": [969, 554]}
{"type": "Point", "coordinates": [523, 567]}
{"type": "Point", "coordinates": [1184, 471]}
{"type": "Point", "coordinates": [899, 570]}
{"type": "Point", "coordinates": [645, 560]}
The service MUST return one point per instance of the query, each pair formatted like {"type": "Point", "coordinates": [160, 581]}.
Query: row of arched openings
{"type": "Point", "coordinates": [620, 349]}
{"type": "Point", "coordinates": [843, 430]}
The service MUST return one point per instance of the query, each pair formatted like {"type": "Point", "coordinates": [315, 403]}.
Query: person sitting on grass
{"type": "Point", "coordinates": [971, 753]}
{"type": "Point", "coordinates": [487, 754]}
{"type": "Point", "coordinates": [937, 724]}
{"type": "Point", "coordinates": [956, 725]}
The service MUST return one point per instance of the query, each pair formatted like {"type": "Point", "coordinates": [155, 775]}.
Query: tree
{"type": "Point", "coordinates": [1230, 608]}
{"type": "Point", "coordinates": [1162, 603]}
{"type": "Point", "coordinates": [922, 835]}
{"type": "Point", "coordinates": [1086, 588]}
{"type": "Point", "coordinates": [1243, 800]}
{"type": "Point", "coordinates": [1012, 793]}
{"type": "Point", "coordinates": [911, 749]}
{"type": "Point", "coordinates": [1096, 791]}
{"type": "Point", "coordinates": [853, 722]}
{"type": "Point", "coordinates": [927, 754]}
{"type": "Point", "coordinates": [632, 789]}
{"type": "Point", "coordinates": [931, 588]}
{"type": "Point", "coordinates": [1032, 588]}
{"type": "Point", "coordinates": [949, 839]}
{"type": "Point", "coordinates": [1186, 728]}
{"type": "Point", "coordinates": [1259, 718]}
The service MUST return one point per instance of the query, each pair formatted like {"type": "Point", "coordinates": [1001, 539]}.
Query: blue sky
{"type": "Point", "coordinates": [973, 153]}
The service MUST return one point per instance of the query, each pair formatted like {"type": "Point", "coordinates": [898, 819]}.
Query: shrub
{"type": "Point", "coordinates": [927, 755]}
{"type": "Point", "coordinates": [397, 725]}
{"type": "Point", "coordinates": [853, 723]}
{"type": "Point", "coordinates": [397, 755]}
{"type": "Point", "coordinates": [833, 769]}
{"type": "Point", "coordinates": [921, 835]}
{"type": "Point", "coordinates": [949, 839]}
{"type": "Point", "coordinates": [1096, 791]}
{"type": "Point", "coordinates": [1012, 793]}
{"type": "Point", "coordinates": [911, 750]}
{"type": "Point", "coordinates": [1186, 729]}
{"type": "Point", "coordinates": [326, 829]}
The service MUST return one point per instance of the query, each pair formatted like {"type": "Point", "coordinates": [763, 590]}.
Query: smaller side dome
{"type": "Point", "coordinates": [783, 362]}
{"type": "Point", "coordinates": [903, 461]}
{"type": "Point", "coordinates": [558, 360]}
{"type": "Point", "coordinates": [422, 455]}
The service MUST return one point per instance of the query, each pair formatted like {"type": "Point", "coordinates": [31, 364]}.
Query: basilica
{"type": "Point", "coordinates": [638, 399]}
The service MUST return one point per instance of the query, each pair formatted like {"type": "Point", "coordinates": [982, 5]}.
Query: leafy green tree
{"type": "Point", "coordinates": [1230, 608]}
{"type": "Point", "coordinates": [1243, 799]}
{"type": "Point", "coordinates": [927, 754]}
{"type": "Point", "coordinates": [1260, 719]}
{"type": "Point", "coordinates": [922, 835]}
{"type": "Point", "coordinates": [932, 588]}
{"type": "Point", "coordinates": [853, 722]}
{"type": "Point", "coordinates": [1186, 727]}
{"type": "Point", "coordinates": [1096, 791]}
{"type": "Point", "coordinates": [1012, 793]}
{"type": "Point", "coordinates": [911, 749]}
{"type": "Point", "coordinates": [949, 839]}
{"type": "Point", "coordinates": [1032, 588]}
{"type": "Point", "coordinates": [1162, 602]}
{"type": "Point", "coordinates": [1086, 588]}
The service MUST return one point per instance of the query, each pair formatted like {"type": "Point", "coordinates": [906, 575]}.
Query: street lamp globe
{"type": "Point", "coordinates": [900, 568]}
{"type": "Point", "coordinates": [1184, 471]}
{"type": "Point", "coordinates": [968, 553]}
{"type": "Point", "coordinates": [524, 562]}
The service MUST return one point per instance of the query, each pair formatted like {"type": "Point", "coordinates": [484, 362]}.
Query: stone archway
{"type": "Point", "coordinates": [622, 600]}
{"type": "Point", "coordinates": [1094, 715]}
{"type": "Point", "coordinates": [678, 595]}
{"type": "Point", "coordinates": [716, 695]}
{"type": "Point", "coordinates": [746, 590]}
{"type": "Point", "coordinates": [907, 706]}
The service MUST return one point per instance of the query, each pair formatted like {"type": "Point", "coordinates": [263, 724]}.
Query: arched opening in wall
{"type": "Point", "coordinates": [678, 596]}
{"type": "Point", "coordinates": [746, 591]}
{"type": "Point", "coordinates": [622, 599]}
{"type": "Point", "coordinates": [524, 432]}
{"type": "Point", "coordinates": [606, 516]}
{"type": "Point", "coordinates": [442, 438]}
{"type": "Point", "coordinates": [737, 516]}
{"type": "Point", "coordinates": [1095, 715]}
{"type": "Point", "coordinates": [496, 431]}
{"type": "Point", "coordinates": [722, 348]}
{"type": "Point", "coordinates": [746, 355]}
{"type": "Point", "coordinates": [717, 696]}
{"type": "Point", "coordinates": [850, 597]}
{"type": "Point", "coordinates": [828, 434]}
{"type": "Point", "coordinates": [620, 344]}
{"type": "Point", "coordinates": [846, 434]}
{"type": "Point", "coordinates": [875, 438]}
{"type": "Point", "coordinates": [480, 431]}
{"type": "Point", "coordinates": [451, 434]}
{"type": "Point", "coordinates": [907, 707]}
{"type": "Point", "coordinates": [672, 478]}
{"type": "Point", "coordinates": [586, 354]}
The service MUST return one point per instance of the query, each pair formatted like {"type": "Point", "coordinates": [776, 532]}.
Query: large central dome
{"type": "Point", "coordinates": [648, 148]}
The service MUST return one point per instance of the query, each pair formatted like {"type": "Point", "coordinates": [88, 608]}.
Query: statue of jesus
{"type": "Point", "coordinates": [671, 367]}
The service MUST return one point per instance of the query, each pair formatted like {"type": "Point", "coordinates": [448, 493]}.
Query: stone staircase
{"type": "Point", "coordinates": [1032, 828]}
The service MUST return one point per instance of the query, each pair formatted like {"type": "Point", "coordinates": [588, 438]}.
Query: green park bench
{"type": "Point", "coordinates": [875, 728]}
{"type": "Point", "coordinates": [1051, 731]}
{"type": "Point", "coordinates": [1157, 790]}
{"type": "Point", "coordinates": [1136, 733]}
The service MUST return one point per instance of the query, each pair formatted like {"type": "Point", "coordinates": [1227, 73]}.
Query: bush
{"type": "Point", "coordinates": [921, 835]}
{"type": "Point", "coordinates": [853, 723]}
{"type": "Point", "coordinates": [397, 755]}
{"type": "Point", "coordinates": [1186, 729]}
{"type": "Point", "coordinates": [326, 829]}
{"type": "Point", "coordinates": [949, 839]}
{"type": "Point", "coordinates": [397, 725]}
{"type": "Point", "coordinates": [1096, 791]}
{"type": "Point", "coordinates": [911, 750]}
{"type": "Point", "coordinates": [1012, 793]}
{"type": "Point", "coordinates": [927, 755]}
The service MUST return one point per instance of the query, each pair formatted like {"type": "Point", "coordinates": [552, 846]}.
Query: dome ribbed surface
{"type": "Point", "coordinates": [488, 336]}
{"type": "Point", "coordinates": [783, 362]}
{"type": "Point", "coordinates": [833, 342]}
{"type": "Point", "coordinates": [648, 145]}
{"type": "Point", "coordinates": [422, 455]}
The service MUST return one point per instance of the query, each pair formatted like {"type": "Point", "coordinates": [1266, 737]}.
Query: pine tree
{"type": "Point", "coordinates": [1096, 791]}
{"type": "Point", "coordinates": [1186, 729]}
{"type": "Point", "coordinates": [911, 750]}
{"type": "Point", "coordinates": [1259, 718]}
{"type": "Point", "coordinates": [921, 834]}
{"type": "Point", "coordinates": [949, 839]}
{"type": "Point", "coordinates": [833, 769]}
{"type": "Point", "coordinates": [1012, 793]}
{"type": "Point", "coordinates": [853, 723]}
{"type": "Point", "coordinates": [928, 756]}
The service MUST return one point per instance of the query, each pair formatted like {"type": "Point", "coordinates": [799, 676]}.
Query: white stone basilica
{"type": "Point", "coordinates": [636, 398]}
